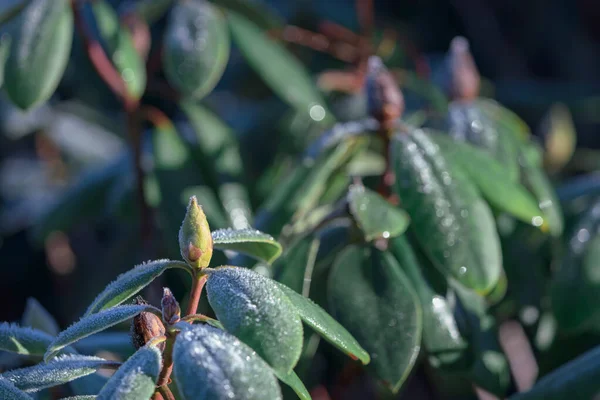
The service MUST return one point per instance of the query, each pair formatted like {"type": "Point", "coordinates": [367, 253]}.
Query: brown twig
{"type": "Point", "coordinates": [166, 393]}
{"type": "Point", "coordinates": [197, 287]}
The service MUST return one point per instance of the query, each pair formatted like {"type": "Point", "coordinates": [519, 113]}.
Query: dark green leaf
{"type": "Point", "coordinates": [575, 289]}
{"type": "Point", "coordinates": [370, 295]}
{"type": "Point", "coordinates": [375, 216]}
{"type": "Point", "coordinates": [492, 179]}
{"type": "Point", "coordinates": [259, 13]}
{"type": "Point", "coordinates": [255, 310]}
{"type": "Point", "coordinates": [119, 46]}
{"type": "Point", "coordinates": [577, 379]}
{"type": "Point", "coordinates": [195, 48]}
{"type": "Point", "coordinates": [36, 317]}
{"type": "Point", "coordinates": [248, 241]}
{"type": "Point", "coordinates": [315, 317]}
{"type": "Point", "coordinates": [452, 223]}
{"type": "Point", "coordinates": [440, 332]}
{"type": "Point", "coordinates": [136, 378]}
{"type": "Point", "coordinates": [11, 8]}
{"type": "Point", "coordinates": [294, 269]}
{"type": "Point", "coordinates": [23, 340]}
{"type": "Point", "coordinates": [131, 282]}
{"type": "Point", "coordinates": [39, 52]}
{"type": "Point", "coordinates": [60, 370]}
{"type": "Point", "coordinates": [8, 391]}
{"type": "Point", "coordinates": [275, 65]}
{"type": "Point", "coordinates": [295, 383]}
{"type": "Point", "coordinates": [5, 42]}
{"type": "Point", "coordinates": [93, 323]}
{"type": "Point", "coordinates": [210, 364]}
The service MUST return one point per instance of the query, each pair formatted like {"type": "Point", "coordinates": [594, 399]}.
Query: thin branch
{"type": "Point", "coordinates": [197, 286]}
{"type": "Point", "coordinates": [166, 393]}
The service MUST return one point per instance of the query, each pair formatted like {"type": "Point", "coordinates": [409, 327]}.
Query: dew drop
{"type": "Point", "coordinates": [462, 270]}
{"type": "Point", "coordinates": [537, 221]}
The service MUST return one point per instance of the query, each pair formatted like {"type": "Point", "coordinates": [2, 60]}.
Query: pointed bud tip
{"type": "Point", "coordinates": [195, 240]}
{"type": "Point", "coordinates": [171, 311]}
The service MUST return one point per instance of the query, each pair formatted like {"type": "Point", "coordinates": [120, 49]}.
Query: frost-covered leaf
{"type": "Point", "coordinates": [375, 216]}
{"type": "Point", "coordinates": [211, 364]}
{"type": "Point", "coordinates": [318, 319]}
{"type": "Point", "coordinates": [60, 370]}
{"type": "Point", "coordinates": [255, 310]}
{"type": "Point", "coordinates": [248, 241]}
{"type": "Point", "coordinates": [94, 323]}
{"type": "Point", "coordinates": [8, 391]}
{"type": "Point", "coordinates": [131, 282]}
{"type": "Point", "coordinates": [79, 398]}
{"type": "Point", "coordinates": [22, 340]}
{"type": "Point", "coordinates": [136, 379]}
{"type": "Point", "coordinates": [294, 382]}
{"type": "Point", "coordinates": [37, 317]}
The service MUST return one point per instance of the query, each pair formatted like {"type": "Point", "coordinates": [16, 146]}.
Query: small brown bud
{"type": "Point", "coordinates": [464, 76]}
{"type": "Point", "coordinates": [384, 99]}
{"type": "Point", "coordinates": [146, 326]}
{"type": "Point", "coordinates": [171, 311]}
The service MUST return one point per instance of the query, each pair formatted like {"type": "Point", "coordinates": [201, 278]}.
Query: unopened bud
{"type": "Point", "coordinates": [385, 102]}
{"type": "Point", "coordinates": [464, 76]}
{"type": "Point", "coordinates": [195, 240]}
{"type": "Point", "coordinates": [171, 311]}
{"type": "Point", "coordinates": [145, 327]}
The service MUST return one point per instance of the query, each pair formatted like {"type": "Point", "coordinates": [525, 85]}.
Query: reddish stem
{"type": "Point", "coordinates": [166, 393]}
{"type": "Point", "coordinates": [197, 286]}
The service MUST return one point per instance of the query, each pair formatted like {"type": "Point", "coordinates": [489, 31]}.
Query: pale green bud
{"type": "Point", "coordinates": [195, 240]}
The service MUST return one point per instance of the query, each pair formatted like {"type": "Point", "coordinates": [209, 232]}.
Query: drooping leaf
{"type": "Point", "coordinates": [37, 317]}
{"type": "Point", "coordinates": [452, 223]}
{"type": "Point", "coordinates": [22, 340]}
{"type": "Point", "coordinates": [210, 364]}
{"type": "Point", "coordinates": [294, 269]}
{"type": "Point", "coordinates": [195, 48]}
{"type": "Point", "coordinates": [322, 323]}
{"type": "Point", "coordinates": [492, 179]}
{"type": "Point", "coordinates": [131, 282]}
{"type": "Point", "coordinates": [294, 382]}
{"type": "Point", "coordinates": [577, 379]}
{"type": "Point", "coordinates": [39, 52]}
{"type": "Point", "coordinates": [575, 285]}
{"type": "Point", "coordinates": [441, 336]}
{"type": "Point", "coordinates": [58, 371]}
{"type": "Point", "coordinates": [93, 323]}
{"type": "Point", "coordinates": [255, 310]}
{"type": "Point", "coordinates": [275, 65]}
{"type": "Point", "coordinates": [248, 241]}
{"type": "Point", "coordinates": [8, 391]}
{"type": "Point", "coordinates": [82, 200]}
{"type": "Point", "coordinates": [115, 342]}
{"type": "Point", "coordinates": [375, 216]}
{"type": "Point", "coordinates": [118, 45]}
{"type": "Point", "coordinates": [370, 295]}
{"type": "Point", "coordinates": [136, 378]}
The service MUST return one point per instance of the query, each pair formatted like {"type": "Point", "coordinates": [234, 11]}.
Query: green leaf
{"type": "Point", "coordinates": [375, 216]}
{"type": "Point", "coordinates": [577, 379]}
{"type": "Point", "coordinates": [452, 223]}
{"type": "Point", "coordinates": [60, 370]}
{"type": "Point", "coordinates": [5, 42]}
{"type": "Point", "coordinates": [370, 295]}
{"type": "Point", "coordinates": [131, 282]}
{"type": "Point", "coordinates": [136, 378]}
{"type": "Point", "coordinates": [118, 44]}
{"type": "Point", "coordinates": [39, 52]}
{"type": "Point", "coordinates": [575, 287]}
{"type": "Point", "coordinates": [492, 179]}
{"type": "Point", "coordinates": [37, 317]}
{"type": "Point", "coordinates": [259, 13]}
{"type": "Point", "coordinates": [93, 323]}
{"type": "Point", "coordinates": [322, 323]}
{"type": "Point", "coordinates": [195, 48]}
{"type": "Point", "coordinates": [23, 340]}
{"type": "Point", "coordinates": [275, 65]}
{"type": "Point", "coordinates": [209, 363]}
{"type": "Point", "coordinates": [441, 336]}
{"type": "Point", "coordinates": [11, 8]}
{"type": "Point", "coordinates": [503, 118]}
{"type": "Point", "coordinates": [255, 310]}
{"type": "Point", "coordinates": [8, 391]}
{"type": "Point", "coordinates": [338, 133]}
{"type": "Point", "coordinates": [115, 342]}
{"type": "Point", "coordinates": [248, 241]}
{"type": "Point", "coordinates": [295, 383]}
{"type": "Point", "coordinates": [294, 269]}
{"type": "Point", "coordinates": [469, 124]}
{"type": "Point", "coordinates": [82, 200]}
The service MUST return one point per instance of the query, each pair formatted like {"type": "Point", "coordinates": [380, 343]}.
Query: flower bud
{"type": "Point", "coordinates": [195, 240]}
{"type": "Point", "coordinates": [171, 312]}
{"type": "Point", "coordinates": [385, 102]}
{"type": "Point", "coordinates": [145, 327]}
{"type": "Point", "coordinates": [464, 76]}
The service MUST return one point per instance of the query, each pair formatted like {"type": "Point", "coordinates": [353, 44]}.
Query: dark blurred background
{"type": "Point", "coordinates": [532, 54]}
